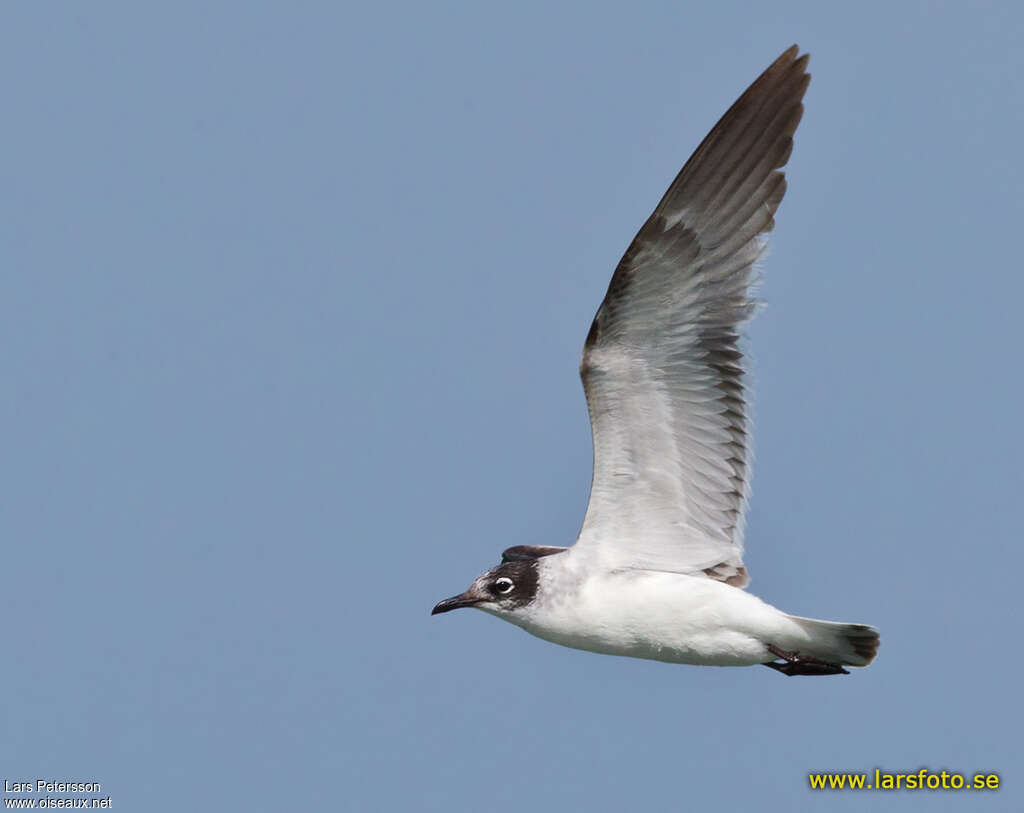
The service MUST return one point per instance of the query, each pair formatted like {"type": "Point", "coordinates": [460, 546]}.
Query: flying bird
{"type": "Point", "coordinates": [657, 570]}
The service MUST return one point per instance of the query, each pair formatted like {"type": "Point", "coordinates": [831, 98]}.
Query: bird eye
{"type": "Point", "coordinates": [504, 585]}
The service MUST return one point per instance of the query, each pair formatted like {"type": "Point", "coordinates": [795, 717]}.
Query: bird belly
{"type": "Point", "coordinates": [667, 617]}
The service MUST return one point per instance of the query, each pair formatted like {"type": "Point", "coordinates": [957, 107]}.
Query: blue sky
{"type": "Point", "coordinates": [293, 301]}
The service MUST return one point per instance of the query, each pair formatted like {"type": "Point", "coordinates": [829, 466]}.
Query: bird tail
{"type": "Point", "coordinates": [836, 642]}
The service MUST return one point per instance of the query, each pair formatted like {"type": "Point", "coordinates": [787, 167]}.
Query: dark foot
{"type": "Point", "coordinates": [796, 664]}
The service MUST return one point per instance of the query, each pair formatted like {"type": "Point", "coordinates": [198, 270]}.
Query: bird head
{"type": "Point", "coordinates": [502, 590]}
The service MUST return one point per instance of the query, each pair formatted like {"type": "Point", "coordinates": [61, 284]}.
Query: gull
{"type": "Point", "coordinates": [657, 569]}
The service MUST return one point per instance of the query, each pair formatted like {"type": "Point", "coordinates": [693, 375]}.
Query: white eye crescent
{"type": "Point", "coordinates": [504, 585]}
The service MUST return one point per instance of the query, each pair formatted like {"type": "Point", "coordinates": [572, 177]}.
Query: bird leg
{"type": "Point", "coordinates": [796, 664]}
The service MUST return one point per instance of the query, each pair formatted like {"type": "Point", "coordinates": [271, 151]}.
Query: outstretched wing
{"type": "Point", "coordinates": [662, 368]}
